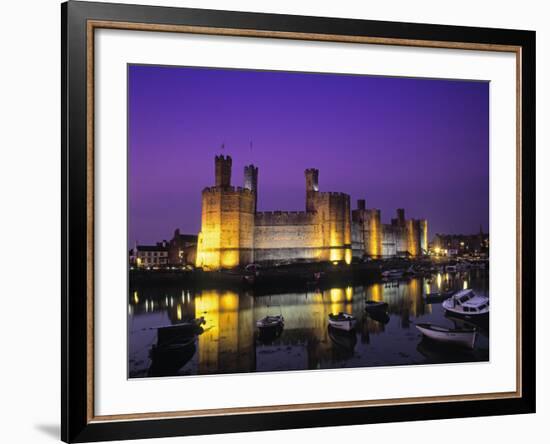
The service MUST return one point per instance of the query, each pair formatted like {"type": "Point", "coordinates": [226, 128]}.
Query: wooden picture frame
{"type": "Point", "coordinates": [79, 22]}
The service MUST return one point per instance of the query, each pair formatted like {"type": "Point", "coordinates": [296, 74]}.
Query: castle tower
{"type": "Point", "coordinates": [226, 239]}
{"type": "Point", "coordinates": [312, 188]}
{"type": "Point", "coordinates": [372, 233]}
{"type": "Point", "coordinates": [401, 217]}
{"type": "Point", "coordinates": [423, 236]}
{"type": "Point", "coordinates": [251, 182]}
{"type": "Point", "coordinates": [223, 171]}
{"type": "Point", "coordinates": [413, 237]}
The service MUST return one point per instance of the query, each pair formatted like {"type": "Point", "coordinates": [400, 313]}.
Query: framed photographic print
{"type": "Point", "coordinates": [276, 221]}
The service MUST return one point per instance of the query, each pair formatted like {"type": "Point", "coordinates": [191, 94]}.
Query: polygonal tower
{"type": "Point", "coordinates": [312, 187]}
{"type": "Point", "coordinates": [223, 171]}
{"type": "Point", "coordinates": [251, 182]}
{"type": "Point", "coordinates": [226, 239]}
{"type": "Point", "coordinates": [401, 217]}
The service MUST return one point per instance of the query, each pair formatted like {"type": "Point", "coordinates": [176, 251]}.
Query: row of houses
{"type": "Point", "coordinates": [461, 244]}
{"type": "Point", "coordinates": [179, 251]}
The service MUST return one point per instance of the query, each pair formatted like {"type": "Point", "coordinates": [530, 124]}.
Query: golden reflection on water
{"type": "Point", "coordinates": [228, 343]}
{"type": "Point", "coordinates": [374, 292]}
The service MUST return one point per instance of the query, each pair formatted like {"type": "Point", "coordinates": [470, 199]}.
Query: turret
{"type": "Point", "coordinates": [312, 187]}
{"type": "Point", "coordinates": [251, 181]}
{"type": "Point", "coordinates": [401, 217]}
{"type": "Point", "coordinates": [223, 171]}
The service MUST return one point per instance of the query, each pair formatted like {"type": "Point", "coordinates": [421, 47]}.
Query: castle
{"type": "Point", "coordinates": [233, 233]}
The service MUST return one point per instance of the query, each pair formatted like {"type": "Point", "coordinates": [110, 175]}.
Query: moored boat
{"type": "Point", "coordinates": [464, 337]}
{"type": "Point", "coordinates": [438, 297]}
{"type": "Point", "coordinates": [179, 333]}
{"type": "Point", "coordinates": [467, 303]}
{"type": "Point", "coordinates": [344, 339]}
{"type": "Point", "coordinates": [392, 274]}
{"type": "Point", "coordinates": [380, 316]}
{"type": "Point", "coordinates": [270, 322]}
{"type": "Point", "coordinates": [375, 305]}
{"type": "Point", "coordinates": [168, 358]}
{"type": "Point", "coordinates": [411, 271]}
{"type": "Point", "coordinates": [342, 321]}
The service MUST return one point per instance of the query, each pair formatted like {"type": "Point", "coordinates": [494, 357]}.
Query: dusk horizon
{"type": "Point", "coordinates": [417, 144]}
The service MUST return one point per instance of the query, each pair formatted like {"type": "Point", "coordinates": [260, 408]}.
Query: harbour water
{"type": "Point", "coordinates": [229, 342]}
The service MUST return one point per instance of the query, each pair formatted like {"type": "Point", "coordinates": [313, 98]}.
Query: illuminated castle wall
{"type": "Point", "coordinates": [233, 233]}
{"type": "Point", "coordinates": [400, 237]}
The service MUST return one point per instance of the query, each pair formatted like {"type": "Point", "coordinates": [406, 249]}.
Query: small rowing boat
{"type": "Point", "coordinates": [342, 321]}
{"type": "Point", "coordinates": [179, 333]}
{"type": "Point", "coordinates": [392, 274]}
{"type": "Point", "coordinates": [375, 306]}
{"type": "Point", "coordinates": [343, 339]}
{"type": "Point", "coordinates": [464, 337]}
{"type": "Point", "coordinates": [270, 322]}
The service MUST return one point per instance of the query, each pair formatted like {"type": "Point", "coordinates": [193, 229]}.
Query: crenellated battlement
{"type": "Point", "coordinates": [284, 218]}
{"type": "Point", "coordinates": [335, 194]}
{"type": "Point", "coordinates": [228, 190]}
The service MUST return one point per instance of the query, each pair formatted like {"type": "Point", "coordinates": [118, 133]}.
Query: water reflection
{"type": "Point", "coordinates": [229, 341]}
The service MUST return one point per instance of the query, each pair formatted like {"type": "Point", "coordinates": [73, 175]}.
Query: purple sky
{"type": "Point", "coordinates": [420, 144]}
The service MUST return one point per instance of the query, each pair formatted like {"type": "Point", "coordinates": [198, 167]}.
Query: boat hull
{"type": "Point", "coordinates": [458, 338]}
{"type": "Point", "coordinates": [269, 323]}
{"type": "Point", "coordinates": [458, 311]}
{"type": "Point", "coordinates": [346, 325]}
{"type": "Point", "coordinates": [376, 306]}
{"type": "Point", "coordinates": [343, 339]}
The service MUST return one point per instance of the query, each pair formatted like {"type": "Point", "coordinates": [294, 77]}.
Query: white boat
{"type": "Point", "coordinates": [465, 337]}
{"type": "Point", "coordinates": [392, 274]}
{"type": "Point", "coordinates": [271, 322]}
{"type": "Point", "coordinates": [342, 321]}
{"type": "Point", "coordinates": [467, 303]}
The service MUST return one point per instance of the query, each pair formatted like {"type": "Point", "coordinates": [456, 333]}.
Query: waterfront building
{"type": "Point", "coordinates": [233, 233]}
{"type": "Point", "coordinates": [150, 256]}
{"type": "Point", "coordinates": [182, 249]}
{"type": "Point", "coordinates": [461, 244]}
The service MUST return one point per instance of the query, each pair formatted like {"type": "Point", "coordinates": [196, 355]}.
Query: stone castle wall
{"type": "Point", "coordinates": [233, 233]}
{"type": "Point", "coordinates": [282, 235]}
{"type": "Point", "coordinates": [323, 233]}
